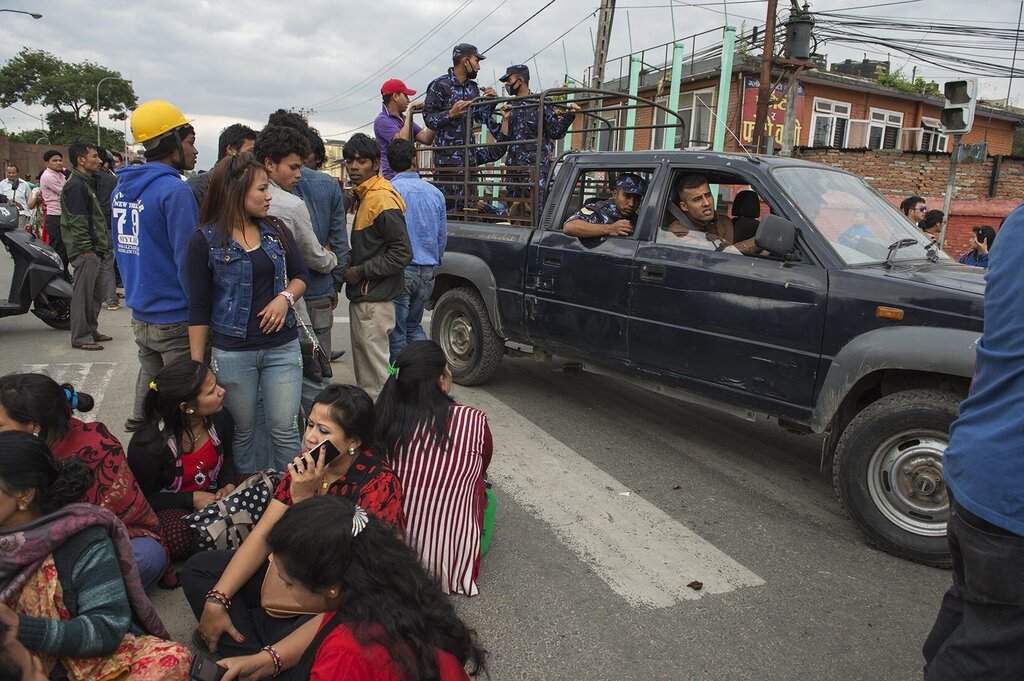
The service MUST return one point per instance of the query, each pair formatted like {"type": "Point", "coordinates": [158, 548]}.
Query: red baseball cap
{"type": "Point", "coordinates": [394, 86]}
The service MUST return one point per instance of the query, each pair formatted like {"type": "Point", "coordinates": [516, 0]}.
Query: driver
{"type": "Point", "coordinates": [610, 217]}
{"type": "Point", "coordinates": [699, 215]}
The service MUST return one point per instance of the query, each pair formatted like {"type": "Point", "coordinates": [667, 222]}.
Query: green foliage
{"type": "Point", "coordinates": [69, 90]}
{"type": "Point", "coordinates": [896, 80]}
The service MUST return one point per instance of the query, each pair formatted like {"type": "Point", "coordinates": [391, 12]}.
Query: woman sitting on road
{"type": "Point", "coordinates": [67, 571]}
{"type": "Point", "coordinates": [385, 619]}
{"type": "Point", "coordinates": [440, 451]}
{"type": "Point", "coordinates": [182, 458]}
{"type": "Point", "coordinates": [245, 274]}
{"type": "Point", "coordinates": [36, 404]}
{"type": "Point", "coordinates": [223, 587]}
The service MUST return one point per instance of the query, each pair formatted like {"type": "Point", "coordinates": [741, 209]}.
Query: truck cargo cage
{"type": "Point", "coordinates": [484, 190]}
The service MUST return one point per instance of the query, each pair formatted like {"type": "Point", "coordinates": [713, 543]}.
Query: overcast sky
{"type": "Point", "coordinates": [225, 62]}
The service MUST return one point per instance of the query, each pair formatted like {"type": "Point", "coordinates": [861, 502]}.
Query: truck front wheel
{"type": "Point", "coordinates": [887, 473]}
{"type": "Point", "coordinates": [461, 327]}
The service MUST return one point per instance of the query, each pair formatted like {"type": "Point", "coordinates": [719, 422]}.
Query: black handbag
{"type": "Point", "coordinates": [316, 365]}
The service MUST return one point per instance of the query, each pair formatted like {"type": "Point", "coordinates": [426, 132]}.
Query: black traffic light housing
{"type": "Point", "coordinates": [961, 97]}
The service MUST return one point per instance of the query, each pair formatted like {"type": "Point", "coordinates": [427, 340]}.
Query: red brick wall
{"type": "Point", "coordinates": [28, 157]}
{"type": "Point", "coordinates": [899, 174]}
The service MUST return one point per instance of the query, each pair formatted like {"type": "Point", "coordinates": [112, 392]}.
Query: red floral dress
{"type": "Point", "coordinates": [115, 488]}
{"type": "Point", "coordinates": [369, 483]}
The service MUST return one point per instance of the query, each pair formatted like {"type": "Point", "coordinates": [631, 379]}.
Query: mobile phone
{"type": "Point", "coordinates": [325, 450]}
{"type": "Point", "coordinates": [205, 669]}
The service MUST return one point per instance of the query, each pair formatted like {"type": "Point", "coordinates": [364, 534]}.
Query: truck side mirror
{"type": "Point", "coordinates": [776, 235]}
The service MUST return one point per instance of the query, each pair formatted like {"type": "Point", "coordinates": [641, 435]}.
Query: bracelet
{"type": "Point", "coordinates": [220, 597]}
{"type": "Point", "coordinates": [275, 657]}
{"type": "Point", "coordinates": [289, 297]}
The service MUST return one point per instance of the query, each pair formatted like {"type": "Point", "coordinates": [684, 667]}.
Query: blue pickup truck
{"type": "Point", "coordinates": [849, 323]}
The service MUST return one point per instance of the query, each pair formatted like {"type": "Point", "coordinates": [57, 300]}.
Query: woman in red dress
{"type": "Point", "coordinates": [385, 619]}
{"type": "Point", "coordinates": [35, 403]}
{"type": "Point", "coordinates": [182, 458]}
{"type": "Point", "coordinates": [223, 587]}
{"type": "Point", "coordinates": [440, 451]}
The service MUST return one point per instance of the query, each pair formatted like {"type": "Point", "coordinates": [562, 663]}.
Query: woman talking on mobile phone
{"type": "Point", "coordinates": [223, 587]}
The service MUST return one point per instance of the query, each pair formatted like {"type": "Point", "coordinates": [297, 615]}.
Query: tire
{"type": "Point", "coordinates": [461, 326]}
{"type": "Point", "coordinates": [887, 473]}
{"type": "Point", "coordinates": [55, 312]}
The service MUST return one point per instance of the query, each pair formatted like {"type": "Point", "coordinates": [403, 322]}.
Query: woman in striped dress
{"type": "Point", "coordinates": [440, 451]}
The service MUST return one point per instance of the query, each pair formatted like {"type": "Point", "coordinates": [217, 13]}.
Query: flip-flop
{"type": "Point", "coordinates": [100, 338]}
{"type": "Point", "coordinates": [88, 346]}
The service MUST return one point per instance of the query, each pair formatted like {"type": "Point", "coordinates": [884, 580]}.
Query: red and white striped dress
{"type": "Point", "coordinates": [443, 498]}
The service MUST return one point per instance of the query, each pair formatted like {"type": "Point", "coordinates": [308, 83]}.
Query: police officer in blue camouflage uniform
{"type": "Point", "coordinates": [610, 217]}
{"type": "Point", "coordinates": [444, 111]}
{"type": "Point", "coordinates": [520, 120]}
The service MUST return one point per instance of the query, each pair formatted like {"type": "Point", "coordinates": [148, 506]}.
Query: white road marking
{"type": "Point", "coordinates": [89, 377]}
{"type": "Point", "coordinates": [641, 552]}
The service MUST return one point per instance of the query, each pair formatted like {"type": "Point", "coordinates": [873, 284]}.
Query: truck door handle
{"type": "Point", "coordinates": [652, 272]}
{"type": "Point", "coordinates": [553, 259]}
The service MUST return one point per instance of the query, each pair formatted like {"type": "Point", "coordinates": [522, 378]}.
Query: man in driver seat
{"type": "Point", "coordinates": [700, 220]}
{"type": "Point", "coordinates": [610, 217]}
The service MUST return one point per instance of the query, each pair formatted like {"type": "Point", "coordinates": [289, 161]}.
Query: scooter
{"type": "Point", "coordinates": [38, 280]}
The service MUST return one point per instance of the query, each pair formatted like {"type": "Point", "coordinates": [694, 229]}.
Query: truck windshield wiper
{"type": "Point", "coordinates": [895, 246]}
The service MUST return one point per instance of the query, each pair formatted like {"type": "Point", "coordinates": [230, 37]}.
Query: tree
{"type": "Point", "coordinates": [69, 90]}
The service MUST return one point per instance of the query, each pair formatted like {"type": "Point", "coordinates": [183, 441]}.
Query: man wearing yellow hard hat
{"type": "Point", "coordinates": [154, 215]}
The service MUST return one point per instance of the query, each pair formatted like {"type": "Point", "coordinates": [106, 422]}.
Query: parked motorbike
{"type": "Point", "coordinates": [38, 280]}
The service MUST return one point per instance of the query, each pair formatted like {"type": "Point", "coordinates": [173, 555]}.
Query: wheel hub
{"type": "Point", "coordinates": [458, 339]}
{"type": "Point", "coordinates": [906, 482]}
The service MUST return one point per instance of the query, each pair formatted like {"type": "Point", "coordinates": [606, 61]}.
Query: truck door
{"type": "Point", "coordinates": [725, 322]}
{"type": "Point", "coordinates": [577, 291]}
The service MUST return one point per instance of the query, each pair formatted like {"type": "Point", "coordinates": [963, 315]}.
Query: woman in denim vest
{"type": "Point", "coordinates": [245, 274]}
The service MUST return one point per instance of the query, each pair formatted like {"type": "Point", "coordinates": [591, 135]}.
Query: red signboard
{"type": "Point", "coordinates": [776, 110]}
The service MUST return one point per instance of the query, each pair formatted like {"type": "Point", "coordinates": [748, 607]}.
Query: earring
{"type": "Point", "coordinates": [190, 411]}
{"type": "Point", "coordinates": [332, 593]}
{"type": "Point", "coordinates": [351, 451]}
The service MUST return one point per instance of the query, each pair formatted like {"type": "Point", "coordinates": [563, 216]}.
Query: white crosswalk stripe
{"type": "Point", "coordinates": [641, 552]}
{"type": "Point", "coordinates": [89, 377]}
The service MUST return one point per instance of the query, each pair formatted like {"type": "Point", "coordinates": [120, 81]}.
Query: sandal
{"type": "Point", "coordinates": [88, 346]}
{"type": "Point", "coordinates": [101, 338]}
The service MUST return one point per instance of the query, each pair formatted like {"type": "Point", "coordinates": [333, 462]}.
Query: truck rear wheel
{"type": "Point", "coordinates": [887, 473]}
{"type": "Point", "coordinates": [461, 327]}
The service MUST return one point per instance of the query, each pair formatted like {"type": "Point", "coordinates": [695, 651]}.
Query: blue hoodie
{"type": "Point", "coordinates": [154, 215]}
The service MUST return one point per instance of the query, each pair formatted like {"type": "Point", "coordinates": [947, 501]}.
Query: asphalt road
{"type": "Point", "coordinates": [611, 501]}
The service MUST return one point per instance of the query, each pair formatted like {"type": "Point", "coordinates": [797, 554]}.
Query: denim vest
{"type": "Point", "coordinates": [232, 279]}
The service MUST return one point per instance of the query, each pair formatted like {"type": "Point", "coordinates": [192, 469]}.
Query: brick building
{"type": "Point", "coordinates": [28, 157]}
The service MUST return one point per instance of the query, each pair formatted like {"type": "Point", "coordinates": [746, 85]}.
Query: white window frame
{"type": "Point", "coordinates": [661, 118]}
{"type": "Point", "coordinates": [884, 120]}
{"type": "Point", "coordinates": [937, 139]}
{"type": "Point", "coordinates": [693, 101]}
{"type": "Point", "coordinates": [832, 110]}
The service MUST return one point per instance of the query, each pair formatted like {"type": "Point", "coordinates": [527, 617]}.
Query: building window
{"type": "Point", "coordinates": [932, 136]}
{"type": "Point", "coordinates": [675, 133]}
{"type": "Point", "coordinates": [609, 135]}
{"type": "Point", "coordinates": [830, 123]}
{"type": "Point", "coordinates": [884, 129]}
{"type": "Point", "coordinates": [695, 108]}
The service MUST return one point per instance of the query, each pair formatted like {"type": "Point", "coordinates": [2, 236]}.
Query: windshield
{"type": "Point", "coordinates": [858, 223]}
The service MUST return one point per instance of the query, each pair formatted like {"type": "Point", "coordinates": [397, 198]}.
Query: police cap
{"type": "Point", "coordinates": [521, 70]}
{"type": "Point", "coordinates": [466, 50]}
{"type": "Point", "coordinates": [631, 183]}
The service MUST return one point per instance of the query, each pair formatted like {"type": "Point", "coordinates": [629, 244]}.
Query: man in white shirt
{"type": "Point", "coordinates": [17, 192]}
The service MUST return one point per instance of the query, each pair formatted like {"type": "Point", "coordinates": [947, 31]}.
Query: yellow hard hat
{"type": "Point", "coordinates": [154, 118]}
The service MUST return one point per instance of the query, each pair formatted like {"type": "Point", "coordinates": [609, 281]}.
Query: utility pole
{"type": "Point", "coordinates": [764, 92]}
{"type": "Point", "coordinates": [604, 36]}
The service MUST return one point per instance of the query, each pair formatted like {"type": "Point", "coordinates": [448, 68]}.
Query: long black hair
{"type": "Point", "coordinates": [352, 409]}
{"type": "Point", "coordinates": [412, 400]}
{"type": "Point", "coordinates": [178, 382]}
{"type": "Point", "coordinates": [39, 398]}
{"type": "Point", "coordinates": [387, 596]}
{"type": "Point", "coordinates": [26, 463]}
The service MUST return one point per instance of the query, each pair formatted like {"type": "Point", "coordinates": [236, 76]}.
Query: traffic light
{"type": "Point", "coordinates": [958, 110]}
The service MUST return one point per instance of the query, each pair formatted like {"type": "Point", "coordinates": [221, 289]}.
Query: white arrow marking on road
{"type": "Point", "coordinates": [88, 377]}
{"type": "Point", "coordinates": [641, 552]}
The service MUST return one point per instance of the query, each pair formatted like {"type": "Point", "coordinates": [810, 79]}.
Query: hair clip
{"type": "Point", "coordinates": [152, 385]}
{"type": "Point", "coordinates": [359, 521]}
{"type": "Point", "coordinates": [393, 370]}
{"type": "Point", "coordinates": [72, 397]}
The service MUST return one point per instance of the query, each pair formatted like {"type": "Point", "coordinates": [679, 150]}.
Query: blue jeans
{"type": "Point", "coordinates": [277, 373]}
{"type": "Point", "coordinates": [150, 559]}
{"type": "Point", "coordinates": [409, 306]}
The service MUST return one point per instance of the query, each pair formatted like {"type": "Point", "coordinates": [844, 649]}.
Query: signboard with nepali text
{"type": "Point", "coordinates": [776, 110]}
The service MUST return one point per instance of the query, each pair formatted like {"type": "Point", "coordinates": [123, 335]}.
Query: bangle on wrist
{"type": "Point", "coordinates": [275, 657]}
{"type": "Point", "coordinates": [289, 297]}
{"type": "Point", "coordinates": [219, 597]}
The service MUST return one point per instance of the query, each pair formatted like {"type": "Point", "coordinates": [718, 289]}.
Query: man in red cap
{"type": "Point", "coordinates": [391, 121]}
